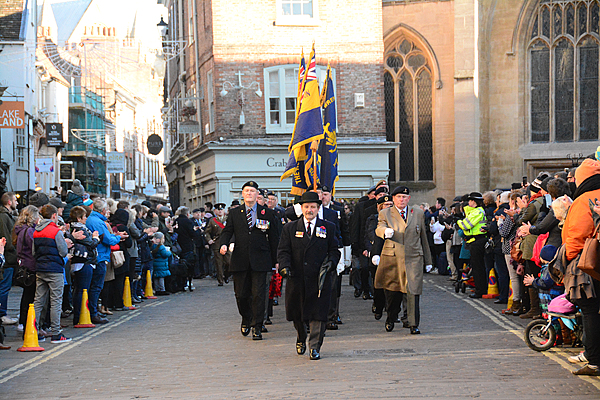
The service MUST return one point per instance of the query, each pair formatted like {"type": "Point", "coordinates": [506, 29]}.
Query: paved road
{"type": "Point", "coordinates": [188, 346]}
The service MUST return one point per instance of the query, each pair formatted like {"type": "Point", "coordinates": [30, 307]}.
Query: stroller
{"type": "Point", "coordinates": [465, 280]}
{"type": "Point", "coordinates": [540, 334]}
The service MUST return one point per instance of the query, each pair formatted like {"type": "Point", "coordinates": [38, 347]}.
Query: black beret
{"type": "Point", "coordinates": [401, 190]}
{"type": "Point", "coordinates": [381, 189]}
{"type": "Point", "coordinates": [251, 184]}
{"type": "Point", "coordinates": [371, 189]}
{"type": "Point", "coordinates": [384, 199]}
{"type": "Point", "coordinates": [270, 193]}
{"type": "Point", "coordinates": [324, 188]}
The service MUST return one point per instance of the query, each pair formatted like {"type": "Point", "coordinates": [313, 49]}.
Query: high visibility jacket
{"type": "Point", "coordinates": [474, 221]}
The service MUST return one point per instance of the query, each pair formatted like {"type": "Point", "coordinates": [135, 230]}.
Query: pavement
{"type": "Point", "coordinates": [188, 346]}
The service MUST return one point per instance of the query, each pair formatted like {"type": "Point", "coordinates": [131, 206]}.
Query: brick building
{"type": "Point", "coordinates": [478, 92]}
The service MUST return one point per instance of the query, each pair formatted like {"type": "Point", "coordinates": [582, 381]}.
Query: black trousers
{"type": "Point", "coordinates": [26, 298]}
{"type": "Point", "coordinates": [334, 304]}
{"type": "Point", "coordinates": [317, 333]}
{"type": "Point", "coordinates": [250, 290]}
{"type": "Point", "coordinates": [477, 249]}
{"type": "Point", "coordinates": [412, 309]}
{"type": "Point", "coordinates": [378, 294]}
{"type": "Point", "coordinates": [591, 325]}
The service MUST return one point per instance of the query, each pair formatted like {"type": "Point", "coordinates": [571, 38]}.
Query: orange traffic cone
{"type": "Point", "coordinates": [148, 291]}
{"type": "Point", "coordinates": [85, 321]}
{"type": "Point", "coordinates": [492, 286]}
{"type": "Point", "coordinates": [510, 299]}
{"type": "Point", "coordinates": [127, 303]}
{"type": "Point", "coordinates": [31, 334]}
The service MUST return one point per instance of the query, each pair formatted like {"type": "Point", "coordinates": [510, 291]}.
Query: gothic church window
{"type": "Point", "coordinates": [563, 71]}
{"type": "Point", "coordinates": [408, 91]}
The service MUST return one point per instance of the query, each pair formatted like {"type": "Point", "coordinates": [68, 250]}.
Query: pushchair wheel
{"type": "Point", "coordinates": [539, 335]}
{"type": "Point", "coordinates": [463, 287]}
{"type": "Point", "coordinates": [456, 287]}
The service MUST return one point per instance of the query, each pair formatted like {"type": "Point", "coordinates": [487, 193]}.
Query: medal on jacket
{"type": "Point", "coordinates": [418, 229]}
{"type": "Point", "coordinates": [299, 234]}
{"type": "Point", "coordinates": [262, 224]}
{"type": "Point", "coordinates": [321, 232]}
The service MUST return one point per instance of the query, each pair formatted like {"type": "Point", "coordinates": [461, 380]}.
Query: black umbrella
{"type": "Point", "coordinates": [326, 268]}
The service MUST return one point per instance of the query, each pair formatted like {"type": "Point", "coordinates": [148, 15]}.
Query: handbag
{"type": "Point", "coordinates": [589, 262]}
{"type": "Point", "coordinates": [117, 258]}
{"type": "Point", "coordinates": [24, 277]}
{"type": "Point", "coordinates": [489, 246]}
{"type": "Point", "coordinates": [515, 251]}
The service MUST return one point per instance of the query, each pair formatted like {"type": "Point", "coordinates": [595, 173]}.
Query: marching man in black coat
{"type": "Point", "coordinates": [254, 254]}
{"type": "Point", "coordinates": [308, 255]}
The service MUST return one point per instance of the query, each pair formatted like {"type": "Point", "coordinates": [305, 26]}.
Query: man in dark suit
{"type": "Point", "coordinates": [307, 246]}
{"type": "Point", "coordinates": [254, 254]}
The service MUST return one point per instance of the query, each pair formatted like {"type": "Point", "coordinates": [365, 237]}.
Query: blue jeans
{"type": "Point", "coordinates": [96, 286]}
{"type": "Point", "coordinates": [5, 286]}
{"type": "Point", "coordinates": [82, 280]}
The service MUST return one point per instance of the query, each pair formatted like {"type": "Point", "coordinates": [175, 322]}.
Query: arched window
{"type": "Point", "coordinates": [408, 90]}
{"type": "Point", "coordinates": [563, 71]}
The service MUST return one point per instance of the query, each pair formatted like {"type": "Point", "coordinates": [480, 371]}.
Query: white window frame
{"type": "Point", "coordinates": [210, 96]}
{"type": "Point", "coordinates": [297, 20]}
{"type": "Point", "coordinates": [191, 32]}
{"type": "Point", "coordinates": [281, 127]}
{"type": "Point", "coordinates": [21, 148]}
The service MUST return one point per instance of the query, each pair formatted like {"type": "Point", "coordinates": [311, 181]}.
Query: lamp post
{"type": "Point", "coordinates": [163, 28]}
{"type": "Point", "coordinates": [239, 88]}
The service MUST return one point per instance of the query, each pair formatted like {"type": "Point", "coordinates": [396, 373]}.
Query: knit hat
{"type": "Point", "coordinates": [547, 253]}
{"type": "Point", "coordinates": [536, 185]}
{"type": "Point", "coordinates": [587, 168]}
{"type": "Point", "coordinates": [77, 188]}
{"type": "Point", "coordinates": [39, 199]}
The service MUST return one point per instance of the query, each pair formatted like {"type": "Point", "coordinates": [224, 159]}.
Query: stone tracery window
{"type": "Point", "coordinates": [563, 71]}
{"type": "Point", "coordinates": [408, 91]}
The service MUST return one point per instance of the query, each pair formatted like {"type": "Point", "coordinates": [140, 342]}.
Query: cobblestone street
{"type": "Point", "coordinates": [189, 346]}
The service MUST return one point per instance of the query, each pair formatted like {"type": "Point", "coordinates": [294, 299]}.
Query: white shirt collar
{"type": "Point", "coordinates": [313, 223]}
{"type": "Point", "coordinates": [405, 209]}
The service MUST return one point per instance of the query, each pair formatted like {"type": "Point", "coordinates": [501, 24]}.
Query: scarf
{"type": "Point", "coordinates": [590, 184]}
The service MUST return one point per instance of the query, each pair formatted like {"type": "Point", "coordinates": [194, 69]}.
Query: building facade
{"type": "Point", "coordinates": [469, 94]}
{"type": "Point", "coordinates": [238, 77]}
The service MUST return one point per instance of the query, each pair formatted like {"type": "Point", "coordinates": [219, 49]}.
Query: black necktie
{"type": "Point", "coordinates": [309, 230]}
{"type": "Point", "coordinates": [402, 215]}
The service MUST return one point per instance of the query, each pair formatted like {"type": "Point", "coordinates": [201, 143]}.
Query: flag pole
{"type": "Point", "coordinates": [314, 146]}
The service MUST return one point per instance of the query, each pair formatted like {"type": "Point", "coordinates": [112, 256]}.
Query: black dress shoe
{"type": "Point", "coordinates": [226, 280]}
{"type": "Point", "coordinates": [389, 326]}
{"type": "Point", "coordinates": [378, 316]}
{"type": "Point", "coordinates": [300, 348]}
{"type": "Point", "coordinates": [373, 309]}
{"type": "Point", "coordinates": [405, 324]}
{"type": "Point", "coordinates": [331, 326]}
{"type": "Point", "coordinates": [275, 302]}
{"type": "Point", "coordinates": [367, 296]}
{"type": "Point", "coordinates": [256, 335]}
{"type": "Point", "coordinates": [314, 355]}
{"type": "Point", "coordinates": [99, 320]}
{"type": "Point", "coordinates": [475, 296]}
{"type": "Point", "coordinates": [220, 284]}
{"type": "Point", "coordinates": [264, 329]}
{"type": "Point", "coordinates": [338, 320]}
{"type": "Point", "coordinates": [245, 330]}
{"type": "Point", "coordinates": [357, 292]}
{"type": "Point", "coordinates": [414, 330]}
{"type": "Point", "coordinates": [268, 321]}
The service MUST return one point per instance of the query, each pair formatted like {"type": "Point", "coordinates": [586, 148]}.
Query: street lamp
{"type": "Point", "coordinates": [162, 27]}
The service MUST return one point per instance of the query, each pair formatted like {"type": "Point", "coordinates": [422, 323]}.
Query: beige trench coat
{"type": "Point", "coordinates": [403, 256]}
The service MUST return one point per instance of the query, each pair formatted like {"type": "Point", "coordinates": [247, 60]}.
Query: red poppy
{"type": "Point", "coordinates": [263, 212]}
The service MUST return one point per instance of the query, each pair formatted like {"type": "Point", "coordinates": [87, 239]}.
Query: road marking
{"type": "Point", "coordinates": [47, 355]}
{"type": "Point", "coordinates": [517, 330]}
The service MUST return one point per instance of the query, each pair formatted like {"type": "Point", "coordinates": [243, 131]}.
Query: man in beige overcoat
{"type": "Point", "coordinates": [405, 250]}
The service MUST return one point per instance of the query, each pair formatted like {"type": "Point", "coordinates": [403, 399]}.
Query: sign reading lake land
{"type": "Point", "coordinates": [115, 162]}
{"type": "Point", "coordinates": [155, 144]}
{"type": "Point", "coordinates": [12, 114]}
{"type": "Point", "coordinates": [54, 135]}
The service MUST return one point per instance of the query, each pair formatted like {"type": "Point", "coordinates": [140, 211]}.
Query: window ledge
{"type": "Point", "coordinates": [296, 21]}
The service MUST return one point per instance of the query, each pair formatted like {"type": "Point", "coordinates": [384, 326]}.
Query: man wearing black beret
{"type": "Point", "coordinates": [405, 250]}
{"type": "Point", "coordinates": [254, 254]}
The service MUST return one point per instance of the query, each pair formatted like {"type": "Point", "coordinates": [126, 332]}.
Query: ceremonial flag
{"type": "Point", "coordinates": [296, 169]}
{"type": "Point", "coordinates": [328, 155]}
{"type": "Point", "coordinates": [309, 122]}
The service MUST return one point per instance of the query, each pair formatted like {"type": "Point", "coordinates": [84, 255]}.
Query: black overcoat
{"type": "Point", "coordinates": [303, 258]}
{"type": "Point", "coordinates": [255, 249]}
